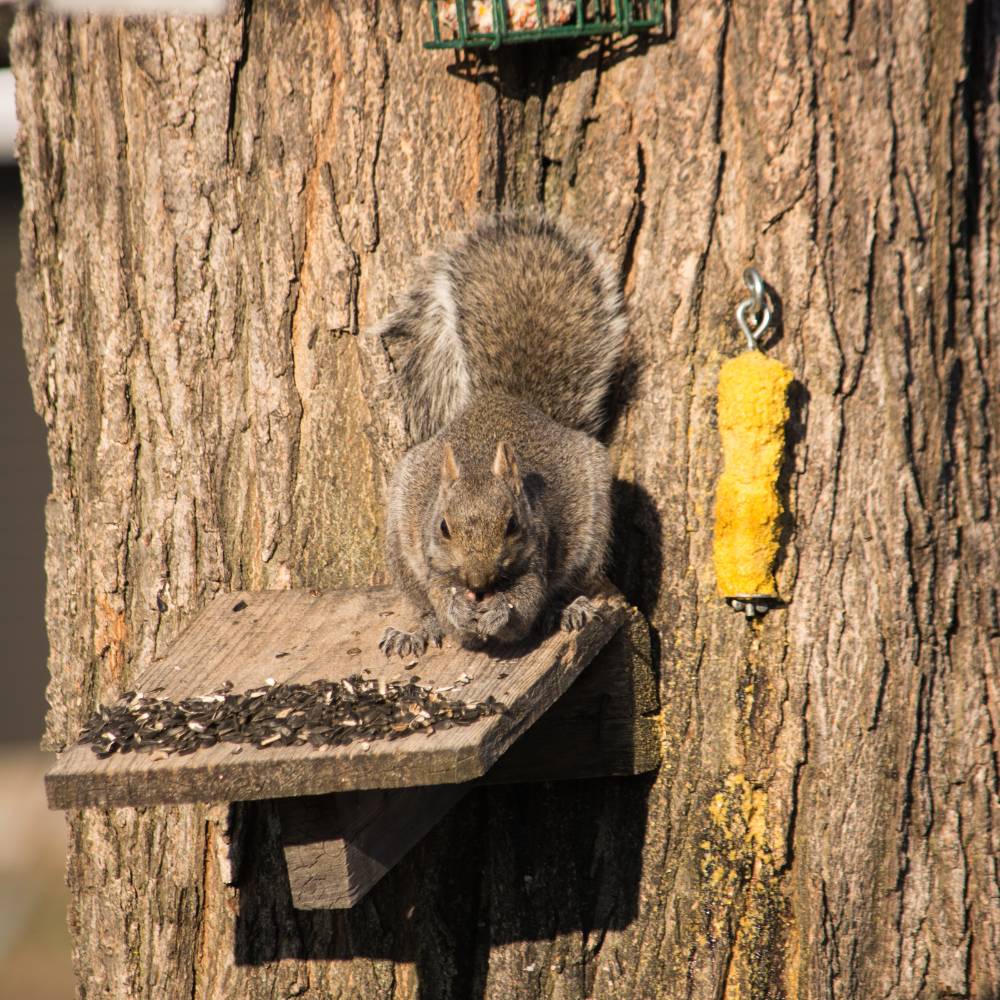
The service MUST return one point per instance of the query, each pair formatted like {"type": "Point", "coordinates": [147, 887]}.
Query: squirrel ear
{"type": "Point", "coordinates": [449, 467]}
{"type": "Point", "coordinates": [505, 466]}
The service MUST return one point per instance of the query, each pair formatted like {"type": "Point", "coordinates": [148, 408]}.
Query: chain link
{"type": "Point", "coordinates": [758, 308]}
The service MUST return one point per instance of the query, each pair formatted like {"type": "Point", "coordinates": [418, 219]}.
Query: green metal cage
{"type": "Point", "coordinates": [586, 18]}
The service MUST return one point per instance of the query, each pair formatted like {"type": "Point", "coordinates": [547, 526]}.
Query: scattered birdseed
{"type": "Point", "coordinates": [239, 605]}
{"type": "Point", "coordinates": [321, 714]}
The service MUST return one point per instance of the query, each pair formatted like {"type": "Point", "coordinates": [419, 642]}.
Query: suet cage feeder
{"type": "Point", "coordinates": [488, 24]}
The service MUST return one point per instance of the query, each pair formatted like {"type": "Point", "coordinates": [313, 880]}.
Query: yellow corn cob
{"type": "Point", "coordinates": [753, 411]}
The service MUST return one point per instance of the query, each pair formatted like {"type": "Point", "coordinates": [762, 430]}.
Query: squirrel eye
{"type": "Point", "coordinates": [512, 525]}
{"type": "Point", "coordinates": [444, 528]}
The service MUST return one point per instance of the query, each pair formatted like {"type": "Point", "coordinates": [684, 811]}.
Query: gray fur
{"type": "Point", "coordinates": [505, 348]}
{"type": "Point", "coordinates": [519, 305]}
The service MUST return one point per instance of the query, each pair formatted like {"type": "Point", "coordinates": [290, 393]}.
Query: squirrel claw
{"type": "Point", "coordinates": [395, 640]}
{"type": "Point", "coordinates": [432, 633]}
{"type": "Point", "coordinates": [576, 614]}
{"type": "Point", "coordinates": [493, 621]}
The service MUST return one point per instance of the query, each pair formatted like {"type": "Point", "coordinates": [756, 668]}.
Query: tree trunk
{"type": "Point", "coordinates": [213, 210]}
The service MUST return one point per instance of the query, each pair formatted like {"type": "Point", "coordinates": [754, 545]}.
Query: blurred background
{"type": "Point", "coordinates": [34, 941]}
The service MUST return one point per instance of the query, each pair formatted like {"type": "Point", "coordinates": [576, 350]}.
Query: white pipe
{"type": "Point", "coordinates": [8, 116]}
{"type": "Point", "coordinates": [131, 8]}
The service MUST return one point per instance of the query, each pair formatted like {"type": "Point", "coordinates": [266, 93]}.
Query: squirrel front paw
{"type": "Point", "coordinates": [576, 614]}
{"type": "Point", "coordinates": [461, 613]}
{"type": "Point", "coordinates": [396, 641]}
{"type": "Point", "coordinates": [492, 621]}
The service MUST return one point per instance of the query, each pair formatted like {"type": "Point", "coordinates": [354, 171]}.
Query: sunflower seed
{"type": "Point", "coordinates": [317, 715]}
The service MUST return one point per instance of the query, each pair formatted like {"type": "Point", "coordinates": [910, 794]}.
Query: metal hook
{"type": "Point", "coordinates": [757, 306]}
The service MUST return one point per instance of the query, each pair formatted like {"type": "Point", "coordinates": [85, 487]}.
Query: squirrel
{"type": "Point", "coordinates": [505, 348]}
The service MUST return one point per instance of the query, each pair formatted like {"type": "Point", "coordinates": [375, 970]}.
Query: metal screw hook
{"type": "Point", "coordinates": [757, 306]}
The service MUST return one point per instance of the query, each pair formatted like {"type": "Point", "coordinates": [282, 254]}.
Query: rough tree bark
{"type": "Point", "coordinates": [212, 213]}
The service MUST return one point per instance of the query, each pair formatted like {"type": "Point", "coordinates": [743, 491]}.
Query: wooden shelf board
{"type": "Point", "coordinates": [330, 635]}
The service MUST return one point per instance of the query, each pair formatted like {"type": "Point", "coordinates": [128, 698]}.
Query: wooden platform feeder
{"type": "Point", "coordinates": [576, 705]}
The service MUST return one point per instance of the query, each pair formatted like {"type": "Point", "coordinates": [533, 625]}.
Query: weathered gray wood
{"type": "Point", "coordinates": [606, 724]}
{"type": "Point", "coordinates": [302, 636]}
{"type": "Point", "coordinates": [338, 846]}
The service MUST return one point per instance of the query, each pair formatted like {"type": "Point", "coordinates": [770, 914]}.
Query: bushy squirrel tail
{"type": "Point", "coordinates": [520, 305]}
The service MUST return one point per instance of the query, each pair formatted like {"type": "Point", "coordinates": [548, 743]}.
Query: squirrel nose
{"type": "Point", "coordinates": [479, 587]}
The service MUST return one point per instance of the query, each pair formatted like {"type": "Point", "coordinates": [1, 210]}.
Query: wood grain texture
{"type": "Point", "coordinates": [214, 209]}
{"type": "Point", "coordinates": [298, 636]}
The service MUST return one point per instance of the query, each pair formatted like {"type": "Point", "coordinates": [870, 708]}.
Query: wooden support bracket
{"type": "Point", "coordinates": [578, 705]}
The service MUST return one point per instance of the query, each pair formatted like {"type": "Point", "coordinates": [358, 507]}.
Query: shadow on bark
{"type": "Point", "coordinates": [636, 547]}
{"type": "Point", "coordinates": [508, 864]}
{"type": "Point", "coordinates": [517, 69]}
{"type": "Point", "coordinates": [795, 435]}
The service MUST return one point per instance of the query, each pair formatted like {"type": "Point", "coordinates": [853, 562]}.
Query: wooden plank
{"type": "Point", "coordinates": [338, 846]}
{"type": "Point", "coordinates": [604, 725]}
{"type": "Point", "coordinates": [301, 636]}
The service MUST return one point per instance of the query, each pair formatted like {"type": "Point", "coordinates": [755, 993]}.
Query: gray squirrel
{"type": "Point", "coordinates": [504, 348]}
